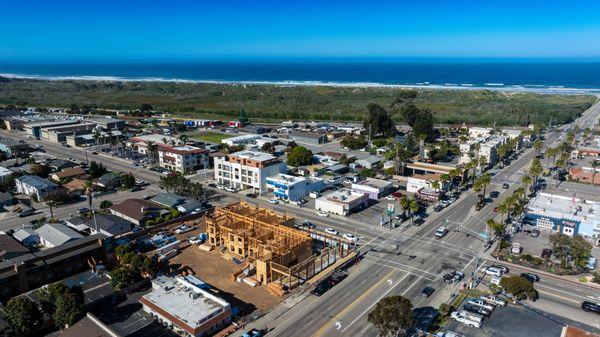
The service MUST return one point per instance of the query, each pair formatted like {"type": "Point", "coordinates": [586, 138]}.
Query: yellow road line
{"type": "Point", "coordinates": [351, 305]}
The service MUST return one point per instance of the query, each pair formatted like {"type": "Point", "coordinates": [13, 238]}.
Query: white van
{"type": "Point", "coordinates": [493, 271]}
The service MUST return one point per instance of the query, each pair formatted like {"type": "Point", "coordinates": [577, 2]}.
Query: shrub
{"type": "Point", "coordinates": [150, 223]}
{"type": "Point", "coordinates": [596, 278]}
{"type": "Point", "coordinates": [583, 279]}
{"type": "Point", "coordinates": [167, 217]}
{"type": "Point", "coordinates": [105, 204]}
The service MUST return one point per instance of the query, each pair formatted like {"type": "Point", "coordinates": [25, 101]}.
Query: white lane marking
{"type": "Point", "coordinates": [399, 264]}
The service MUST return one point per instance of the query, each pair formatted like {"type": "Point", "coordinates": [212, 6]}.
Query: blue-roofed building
{"type": "Point", "coordinates": [293, 188]}
{"type": "Point", "coordinates": [33, 185]}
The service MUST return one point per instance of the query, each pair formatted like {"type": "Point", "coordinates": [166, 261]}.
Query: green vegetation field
{"type": "Point", "coordinates": [276, 102]}
{"type": "Point", "coordinates": [210, 137]}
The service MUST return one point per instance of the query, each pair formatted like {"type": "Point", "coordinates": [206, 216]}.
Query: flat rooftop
{"type": "Point", "coordinates": [286, 179]}
{"type": "Point", "coordinates": [156, 138]}
{"type": "Point", "coordinates": [184, 300]}
{"type": "Point", "coordinates": [372, 182]}
{"type": "Point", "coordinates": [564, 207]}
{"type": "Point", "coordinates": [253, 155]}
{"type": "Point", "coordinates": [343, 196]}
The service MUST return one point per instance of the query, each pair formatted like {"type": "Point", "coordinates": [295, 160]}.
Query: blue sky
{"type": "Point", "coordinates": [196, 30]}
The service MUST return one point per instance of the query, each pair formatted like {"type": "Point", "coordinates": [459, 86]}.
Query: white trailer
{"type": "Point", "coordinates": [465, 318]}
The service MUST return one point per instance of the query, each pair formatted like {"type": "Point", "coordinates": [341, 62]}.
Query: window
{"type": "Point", "coordinates": [240, 251]}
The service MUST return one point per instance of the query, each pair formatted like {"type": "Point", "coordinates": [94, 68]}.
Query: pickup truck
{"type": "Point", "coordinates": [464, 317]}
{"type": "Point", "coordinates": [480, 303]}
{"type": "Point", "coordinates": [494, 300]}
{"type": "Point", "coordinates": [476, 310]}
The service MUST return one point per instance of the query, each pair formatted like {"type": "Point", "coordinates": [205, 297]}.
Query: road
{"type": "Point", "coordinates": [396, 262]}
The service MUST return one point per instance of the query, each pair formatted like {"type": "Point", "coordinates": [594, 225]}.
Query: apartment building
{"type": "Point", "coordinates": [247, 170]}
{"type": "Point", "coordinates": [183, 158]}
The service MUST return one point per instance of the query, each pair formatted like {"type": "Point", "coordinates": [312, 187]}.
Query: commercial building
{"type": "Point", "coordinates": [35, 129]}
{"type": "Point", "coordinates": [140, 143]}
{"type": "Point", "coordinates": [368, 163]}
{"type": "Point", "coordinates": [426, 181]}
{"type": "Point", "coordinates": [54, 235]}
{"type": "Point", "coordinates": [183, 158]}
{"type": "Point", "coordinates": [58, 134]}
{"type": "Point", "coordinates": [374, 188]}
{"type": "Point", "coordinates": [241, 140]}
{"type": "Point", "coordinates": [293, 188]}
{"type": "Point", "coordinates": [478, 132]}
{"type": "Point", "coordinates": [33, 185]}
{"type": "Point", "coordinates": [178, 303]}
{"type": "Point", "coordinates": [342, 202]}
{"type": "Point", "coordinates": [94, 138]}
{"type": "Point", "coordinates": [33, 270]}
{"type": "Point", "coordinates": [310, 138]}
{"type": "Point", "coordinates": [585, 172]}
{"type": "Point", "coordinates": [107, 123]}
{"type": "Point", "coordinates": [247, 170]}
{"type": "Point", "coordinates": [13, 148]}
{"type": "Point", "coordinates": [564, 214]}
{"type": "Point", "coordinates": [261, 236]}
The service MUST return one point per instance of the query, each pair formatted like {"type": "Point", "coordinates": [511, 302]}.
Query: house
{"type": "Point", "coordinates": [5, 173]}
{"type": "Point", "coordinates": [9, 248]}
{"type": "Point", "coordinates": [54, 235]}
{"type": "Point", "coordinates": [6, 199]}
{"type": "Point", "coordinates": [342, 202]}
{"type": "Point", "coordinates": [182, 204]}
{"type": "Point", "coordinates": [60, 164]}
{"type": "Point", "coordinates": [27, 236]}
{"type": "Point", "coordinates": [70, 172]}
{"type": "Point", "coordinates": [368, 163]}
{"type": "Point", "coordinates": [13, 148]}
{"type": "Point", "coordinates": [137, 211]}
{"type": "Point", "coordinates": [247, 170]}
{"type": "Point", "coordinates": [374, 188]}
{"type": "Point", "coordinates": [110, 180]}
{"type": "Point", "coordinates": [585, 170]}
{"type": "Point", "coordinates": [75, 187]}
{"type": "Point", "coordinates": [107, 224]}
{"type": "Point", "coordinates": [185, 307]}
{"type": "Point", "coordinates": [35, 186]}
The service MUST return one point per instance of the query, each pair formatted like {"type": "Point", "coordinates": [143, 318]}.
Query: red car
{"type": "Point", "coordinates": [495, 209]}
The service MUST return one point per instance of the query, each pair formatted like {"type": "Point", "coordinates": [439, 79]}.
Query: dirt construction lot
{"type": "Point", "coordinates": [217, 271]}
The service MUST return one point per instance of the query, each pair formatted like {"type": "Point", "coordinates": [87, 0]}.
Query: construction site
{"type": "Point", "coordinates": [269, 250]}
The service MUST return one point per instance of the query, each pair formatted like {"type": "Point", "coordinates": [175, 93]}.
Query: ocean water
{"type": "Point", "coordinates": [562, 77]}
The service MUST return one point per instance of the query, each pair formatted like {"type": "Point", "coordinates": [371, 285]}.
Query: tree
{"type": "Point", "coordinates": [413, 207]}
{"type": "Point", "coordinates": [40, 170]}
{"type": "Point", "coordinates": [105, 204]}
{"type": "Point", "coordinates": [353, 143]}
{"type": "Point", "coordinates": [538, 145]}
{"type": "Point", "coordinates": [89, 191]}
{"type": "Point", "coordinates": [445, 309]}
{"type": "Point", "coordinates": [535, 170]}
{"type": "Point", "coordinates": [121, 278]}
{"type": "Point", "coordinates": [571, 251]}
{"type": "Point", "coordinates": [69, 310]}
{"type": "Point", "coordinates": [128, 180]}
{"type": "Point", "coordinates": [151, 149]}
{"type": "Point", "coordinates": [378, 121]}
{"type": "Point", "coordinates": [268, 147]}
{"type": "Point", "coordinates": [299, 156]}
{"type": "Point", "coordinates": [482, 182]}
{"type": "Point", "coordinates": [595, 164]}
{"type": "Point", "coordinates": [145, 107]}
{"type": "Point", "coordinates": [392, 316]}
{"type": "Point", "coordinates": [519, 288]}
{"type": "Point", "coordinates": [22, 315]}
{"type": "Point", "coordinates": [421, 121]}
{"type": "Point", "coordinates": [96, 170]}
{"type": "Point", "coordinates": [51, 204]}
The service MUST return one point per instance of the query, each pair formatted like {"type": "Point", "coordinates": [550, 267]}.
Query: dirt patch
{"type": "Point", "coordinates": [216, 271]}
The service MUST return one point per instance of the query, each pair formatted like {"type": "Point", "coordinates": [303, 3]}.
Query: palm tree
{"type": "Point", "coordinates": [595, 164]}
{"type": "Point", "coordinates": [151, 148]}
{"type": "Point", "coordinates": [538, 145]}
{"type": "Point", "coordinates": [405, 204]}
{"type": "Point", "coordinates": [535, 170]}
{"type": "Point", "coordinates": [89, 189]}
{"type": "Point", "coordinates": [51, 204]}
{"type": "Point", "coordinates": [497, 228]}
{"type": "Point", "coordinates": [483, 181]}
{"type": "Point", "coordinates": [503, 208]}
{"type": "Point", "coordinates": [184, 138]}
{"type": "Point", "coordinates": [526, 180]}
{"type": "Point", "coordinates": [413, 207]}
{"type": "Point", "coordinates": [96, 137]}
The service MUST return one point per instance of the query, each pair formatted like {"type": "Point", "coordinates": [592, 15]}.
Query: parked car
{"type": "Point", "coordinates": [253, 333]}
{"type": "Point", "coordinates": [590, 307]}
{"type": "Point", "coordinates": [335, 278]}
{"type": "Point", "coordinates": [331, 231]}
{"type": "Point", "coordinates": [229, 189]}
{"type": "Point", "coordinates": [496, 209]}
{"type": "Point", "coordinates": [220, 187]}
{"type": "Point", "coordinates": [546, 253]}
{"type": "Point", "coordinates": [470, 319]}
{"type": "Point", "coordinates": [323, 214]}
{"type": "Point", "coordinates": [83, 210]}
{"type": "Point", "coordinates": [308, 224]}
{"type": "Point", "coordinates": [453, 276]}
{"type": "Point", "coordinates": [350, 237]}
{"type": "Point", "coordinates": [495, 280]}
{"type": "Point", "coordinates": [534, 233]}
{"type": "Point", "coordinates": [477, 310]}
{"type": "Point", "coordinates": [494, 300]}
{"type": "Point", "coordinates": [427, 291]}
{"type": "Point", "coordinates": [273, 201]}
{"type": "Point", "coordinates": [390, 198]}
{"type": "Point", "coordinates": [23, 214]}
{"type": "Point", "coordinates": [531, 277]}
{"type": "Point", "coordinates": [480, 303]}
{"type": "Point", "coordinates": [502, 268]}
{"type": "Point", "coordinates": [493, 272]}
{"type": "Point", "coordinates": [195, 240]}
{"type": "Point", "coordinates": [505, 186]}
{"type": "Point", "coordinates": [183, 229]}
{"type": "Point", "coordinates": [252, 195]}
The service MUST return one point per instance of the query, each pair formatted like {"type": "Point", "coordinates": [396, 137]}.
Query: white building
{"type": "Point", "coordinates": [417, 182]}
{"type": "Point", "coordinates": [33, 185]}
{"type": "Point", "coordinates": [241, 140]}
{"type": "Point", "coordinates": [374, 188]}
{"type": "Point", "coordinates": [247, 170]}
{"type": "Point", "coordinates": [140, 143]}
{"type": "Point", "coordinates": [342, 202]}
{"type": "Point", "coordinates": [479, 132]}
{"type": "Point", "coordinates": [5, 173]}
{"type": "Point", "coordinates": [182, 304]}
{"type": "Point", "coordinates": [183, 158]}
{"type": "Point", "coordinates": [293, 188]}
{"type": "Point", "coordinates": [54, 235]}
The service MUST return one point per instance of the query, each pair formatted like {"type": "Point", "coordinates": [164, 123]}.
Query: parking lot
{"type": "Point", "coordinates": [514, 321]}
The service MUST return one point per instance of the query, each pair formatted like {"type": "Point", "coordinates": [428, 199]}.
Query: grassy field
{"type": "Point", "coordinates": [210, 137]}
{"type": "Point", "coordinates": [276, 102]}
